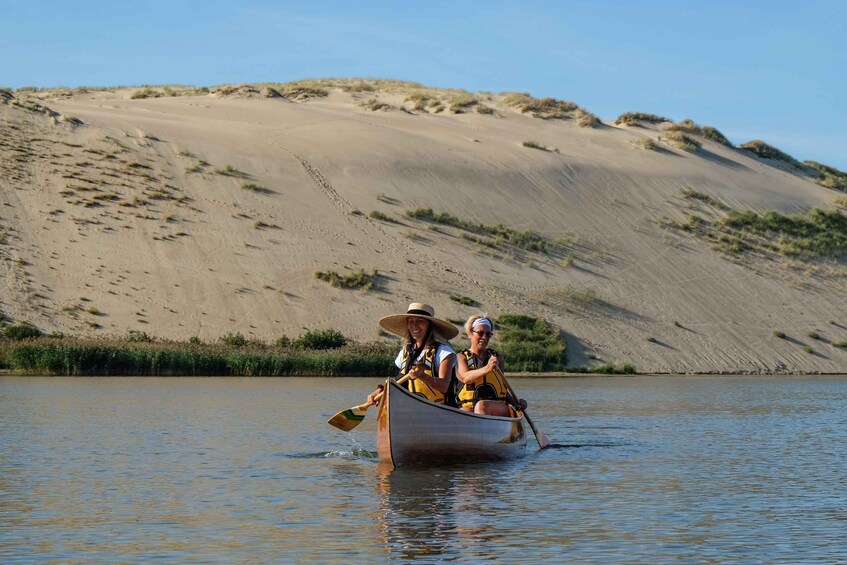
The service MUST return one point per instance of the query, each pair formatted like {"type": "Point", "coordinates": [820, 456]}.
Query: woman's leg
{"type": "Point", "coordinates": [492, 408]}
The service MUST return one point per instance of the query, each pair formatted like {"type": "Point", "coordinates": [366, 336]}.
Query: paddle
{"type": "Point", "coordinates": [540, 436]}
{"type": "Point", "coordinates": [348, 419]}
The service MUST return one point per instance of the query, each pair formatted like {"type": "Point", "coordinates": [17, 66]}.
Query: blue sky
{"type": "Point", "coordinates": [772, 70]}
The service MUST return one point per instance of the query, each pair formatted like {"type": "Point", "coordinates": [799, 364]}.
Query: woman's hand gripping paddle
{"type": "Point", "coordinates": [348, 419]}
{"type": "Point", "coordinates": [540, 436]}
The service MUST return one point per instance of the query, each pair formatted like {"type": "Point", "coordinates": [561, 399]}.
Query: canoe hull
{"type": "Point", "coordinates": [414, 431]}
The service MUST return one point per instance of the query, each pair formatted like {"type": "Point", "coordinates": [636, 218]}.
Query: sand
{"type": "Point", "coordinates": [210, 214]}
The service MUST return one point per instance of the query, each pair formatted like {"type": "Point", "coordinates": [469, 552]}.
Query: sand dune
{"type": "Point", "coordinates": [211, 213]}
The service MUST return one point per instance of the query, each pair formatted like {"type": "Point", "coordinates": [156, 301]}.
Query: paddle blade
{"type": "Point", "coordinates": [348, 419]}
{"type": "Point", "coordinates": [543, 441]}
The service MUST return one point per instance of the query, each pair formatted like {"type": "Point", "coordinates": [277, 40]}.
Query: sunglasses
{"type": "Point", "coordinates": [483, 334]}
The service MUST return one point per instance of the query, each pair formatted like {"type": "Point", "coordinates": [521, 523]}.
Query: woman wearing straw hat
{"type": "Point", "coordinates": [426, 357]}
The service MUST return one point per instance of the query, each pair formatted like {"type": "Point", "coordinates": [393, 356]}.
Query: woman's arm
{"type": "Point", "coordinates": [445, 370]}
{"type": "Point", "coordinates": [467, 376]}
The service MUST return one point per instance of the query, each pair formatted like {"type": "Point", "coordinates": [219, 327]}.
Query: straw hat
{"type": "Point", "coordinates": [396, 323]}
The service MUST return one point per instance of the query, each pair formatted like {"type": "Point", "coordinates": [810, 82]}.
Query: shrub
{"type": "Point", "coordinates": [530, 344]}
{"type": "Point", "coordinates": [284, 341]}
{"type": "Point", "coordinates": [18, 332]}
{"type": "Point", "coordinates": [779, 334]}
{"type": "Point", "coordinates": [135, 336]}
{"type": "Point", "coordinates": [320, 339]}
{"type": "Point", "coordinates": [234, 340]}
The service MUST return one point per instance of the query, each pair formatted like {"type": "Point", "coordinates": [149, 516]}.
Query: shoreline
{"type": "Point", "coordinates": [517, 375]}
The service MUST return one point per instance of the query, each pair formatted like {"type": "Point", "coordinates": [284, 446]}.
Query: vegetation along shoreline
{"type": "Point", "coordinates": [530, 344]}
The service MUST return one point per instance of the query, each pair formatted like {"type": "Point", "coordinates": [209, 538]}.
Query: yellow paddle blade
{"type": "Point", "coordinates": [348, 419]}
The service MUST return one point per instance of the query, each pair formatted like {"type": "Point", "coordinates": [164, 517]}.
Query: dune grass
{"type": "Point", "coordinates": [358, 279]}
{"type": "Point", "coordinates": [527, 239]}
{"type": "Point", "coordinates": [689, 192]}
{"type": "Point", "coordinates": [810, 236]}
{"type": "Point", "coordinates": [545, 108]}
{"type": "Point", "coordinates": [682, 141]}
{"type": "Point", "coordinates": [765, 151]}
{"type": "Point", "coordinates": [633, 119]}
{"type": "Point", "coordinates": [830, 177]}
{"type": "Point", "coordinates": [688, 126]}
{"type": "Point", "coordinates": [645, 143]}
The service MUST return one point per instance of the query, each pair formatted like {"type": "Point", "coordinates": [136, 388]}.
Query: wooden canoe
{"type": "Point", "coordinates": [412, 430]}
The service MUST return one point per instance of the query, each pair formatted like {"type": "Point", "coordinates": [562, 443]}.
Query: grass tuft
{"type": "Point", "coordinates": [355, 280]}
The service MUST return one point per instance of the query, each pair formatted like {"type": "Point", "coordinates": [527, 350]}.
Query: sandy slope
{"type": "Point", "coordinates": [106, 230]}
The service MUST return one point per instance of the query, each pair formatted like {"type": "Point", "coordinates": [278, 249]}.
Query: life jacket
{"type": "Point", "coordinates": [489, 387]}
{"type": "Point", "coordinates": [417, 386]}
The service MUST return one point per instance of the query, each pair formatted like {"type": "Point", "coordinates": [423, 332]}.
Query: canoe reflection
{"type": "Point", "coordinates": [439, 512]}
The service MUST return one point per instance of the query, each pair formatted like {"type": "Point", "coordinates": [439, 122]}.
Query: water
{"type": "Point", "coordinates": [222, 470]}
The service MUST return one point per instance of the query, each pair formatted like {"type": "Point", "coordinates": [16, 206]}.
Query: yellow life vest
{"type": "Point", "coordinates": [489, 387]}
{"type": "Point", "coordinates": [417, 386]}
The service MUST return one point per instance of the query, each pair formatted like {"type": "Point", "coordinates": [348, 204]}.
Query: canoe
{"type": "Point", "coordinates": [412, 430]}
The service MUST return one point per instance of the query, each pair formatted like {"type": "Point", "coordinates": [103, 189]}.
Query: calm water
{"type": "Point", "coordinates": [220, 470]}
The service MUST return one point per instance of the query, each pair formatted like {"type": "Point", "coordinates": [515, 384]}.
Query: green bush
{"type": "Point", "coordinates": [320, 339]}
{"type": "Point", "coordinates": [18, 332]}
{"type": "Point", "coordinates": [530, 344]}
{"type": "Point", "coordinates": [138, 336]}
{"type": "Point", "coordinates": [234, 340]}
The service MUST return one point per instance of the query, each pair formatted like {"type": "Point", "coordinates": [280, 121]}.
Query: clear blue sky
{"type": "Point", "coordinates": [773, 70]}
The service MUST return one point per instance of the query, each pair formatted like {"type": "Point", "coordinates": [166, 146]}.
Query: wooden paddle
{"type": "Point", "coordinates": [540, 436]}
{"type": "Point", "coordinates": [348, 419]}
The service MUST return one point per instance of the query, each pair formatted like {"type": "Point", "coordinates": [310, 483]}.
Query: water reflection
{"type": "Point", "coordinates": [416, 518]}
{"type": "Point", "coordinates": [446, 512]}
